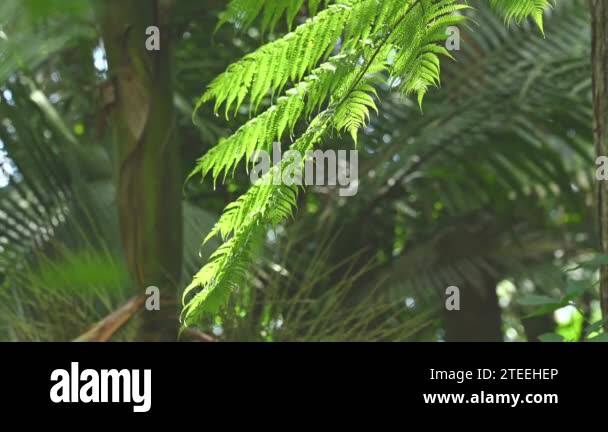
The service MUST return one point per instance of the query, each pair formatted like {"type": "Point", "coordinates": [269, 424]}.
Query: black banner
{"type": "Point", "coordinates": [197, 378]}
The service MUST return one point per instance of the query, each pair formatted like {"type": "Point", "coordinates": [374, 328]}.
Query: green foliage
{"type": "Point", "coordinates": [56, 298]}
{"type": "Point", "coordinates": [574, 295]}
{"type": "Point", "coordinates": [61, 263]}
{"type": "Point", "coordinates": [476, 190]}
{"type": "Point", "coordinates": [270, 67]}
{"type": "Point", "coordinates": [490, 184]}
{"type": "Point", "coordinates": [397, 40]}
{"type": "Point", "coordinates": [288, 298]}
{"type": "Point", "coordinates": [518, 10]}
{"type": "Point", "coordinates": [242, 13]}
{"type": "Point", "coordinates": [277, 121]}
{"type": "Point", "coordinates": [28, 35]}
{"type": "Point", "coordinates": [243, 224]}
{"type": "Point", "coordinates": [59, 268]}
{"type": "Point", "coordinates": [551, 337]}
{"type": "Point", "coordinates": [42, 9]}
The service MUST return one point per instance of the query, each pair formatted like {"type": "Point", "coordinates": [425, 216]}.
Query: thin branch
{"type": "Point", "coordinates": [107, 327]}
{"type": "Point", "coordinates": [197, 335]}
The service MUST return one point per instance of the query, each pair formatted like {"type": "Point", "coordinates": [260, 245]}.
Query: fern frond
{"type": "Point", "coordinates": [417, 64]}
{"type": "Point", "coordinates": [242, 13]}
{"type": "Point", "coordinates": [519, 10]}
{"type": "Point", "coordinates": [269, 68]}
{"type": "Point", "coordinates": [222, 274]}
{"type": "Point", "coordinates": [401, 40]}
{"type": "Point", "coordinates": [353, 114]}
{"type": "Point", "coordinates": [267, 203]}
{"type": "Point", "coordinates": [273, 124]}
{"type": "Point", "coordinates": [417, 53]}
{"type": "Point", "coordinates": [244, 222]}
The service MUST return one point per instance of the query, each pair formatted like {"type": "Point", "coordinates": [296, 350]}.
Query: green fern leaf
{"type": "Point", "coordinates": [400, 40]}
{"type": "Point", "coordinates": [518, 10]}
{"type": "Point", "coordinates": [353, 114]}
{"type": "Point", "coordinates": [273, 124]}
{"type": "Point", "coordinates": [242, 225]}
{"type": "Point", "coordinates": [269, 68]}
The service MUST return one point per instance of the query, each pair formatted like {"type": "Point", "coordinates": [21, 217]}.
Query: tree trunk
{"type": "Point", "coordinates": [537, 326]}
{"type": "Point", "coordinates": [478, 319]}
{"type": "Point", "coordinates": [147, 154]}
{"type": "Point", "coordinates": [599, 14]}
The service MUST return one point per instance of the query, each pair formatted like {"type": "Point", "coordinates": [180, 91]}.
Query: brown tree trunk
{"type": "Point", "coordinates": [537, 326]}
{"type": "Point", "coordinates": [478, 319]}
{"type": "Point", "coordinates": [599, 16]}
{"type": "Point", "coordinates": [147, 154]}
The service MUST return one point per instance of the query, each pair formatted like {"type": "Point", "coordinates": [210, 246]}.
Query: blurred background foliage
{"type": "Point", "coordinates": [488, 189]}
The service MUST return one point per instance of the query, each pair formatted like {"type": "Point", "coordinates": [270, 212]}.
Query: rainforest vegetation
{"type": "Point", "coordinates": [129, 131]}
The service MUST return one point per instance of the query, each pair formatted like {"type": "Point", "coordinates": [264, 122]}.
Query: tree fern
{"type": "Point", "coordinates": [398, 40]}
{"type": "Point", "coordinates": [281, 118]}
{"type": "Point", "coordinates": [244, 222]}
{"type": "Point", "coordinates": [242, 13]}
{"type": "Point", "coordinates": [274, 64]}
{"type": "Point", "coordinates": [518, 10]}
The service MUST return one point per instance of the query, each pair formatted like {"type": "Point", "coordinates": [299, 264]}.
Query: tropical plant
{"type": "Point", "coordinates": [335, 61]}
{"type": "Point", "coordinates": [486, 185]}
